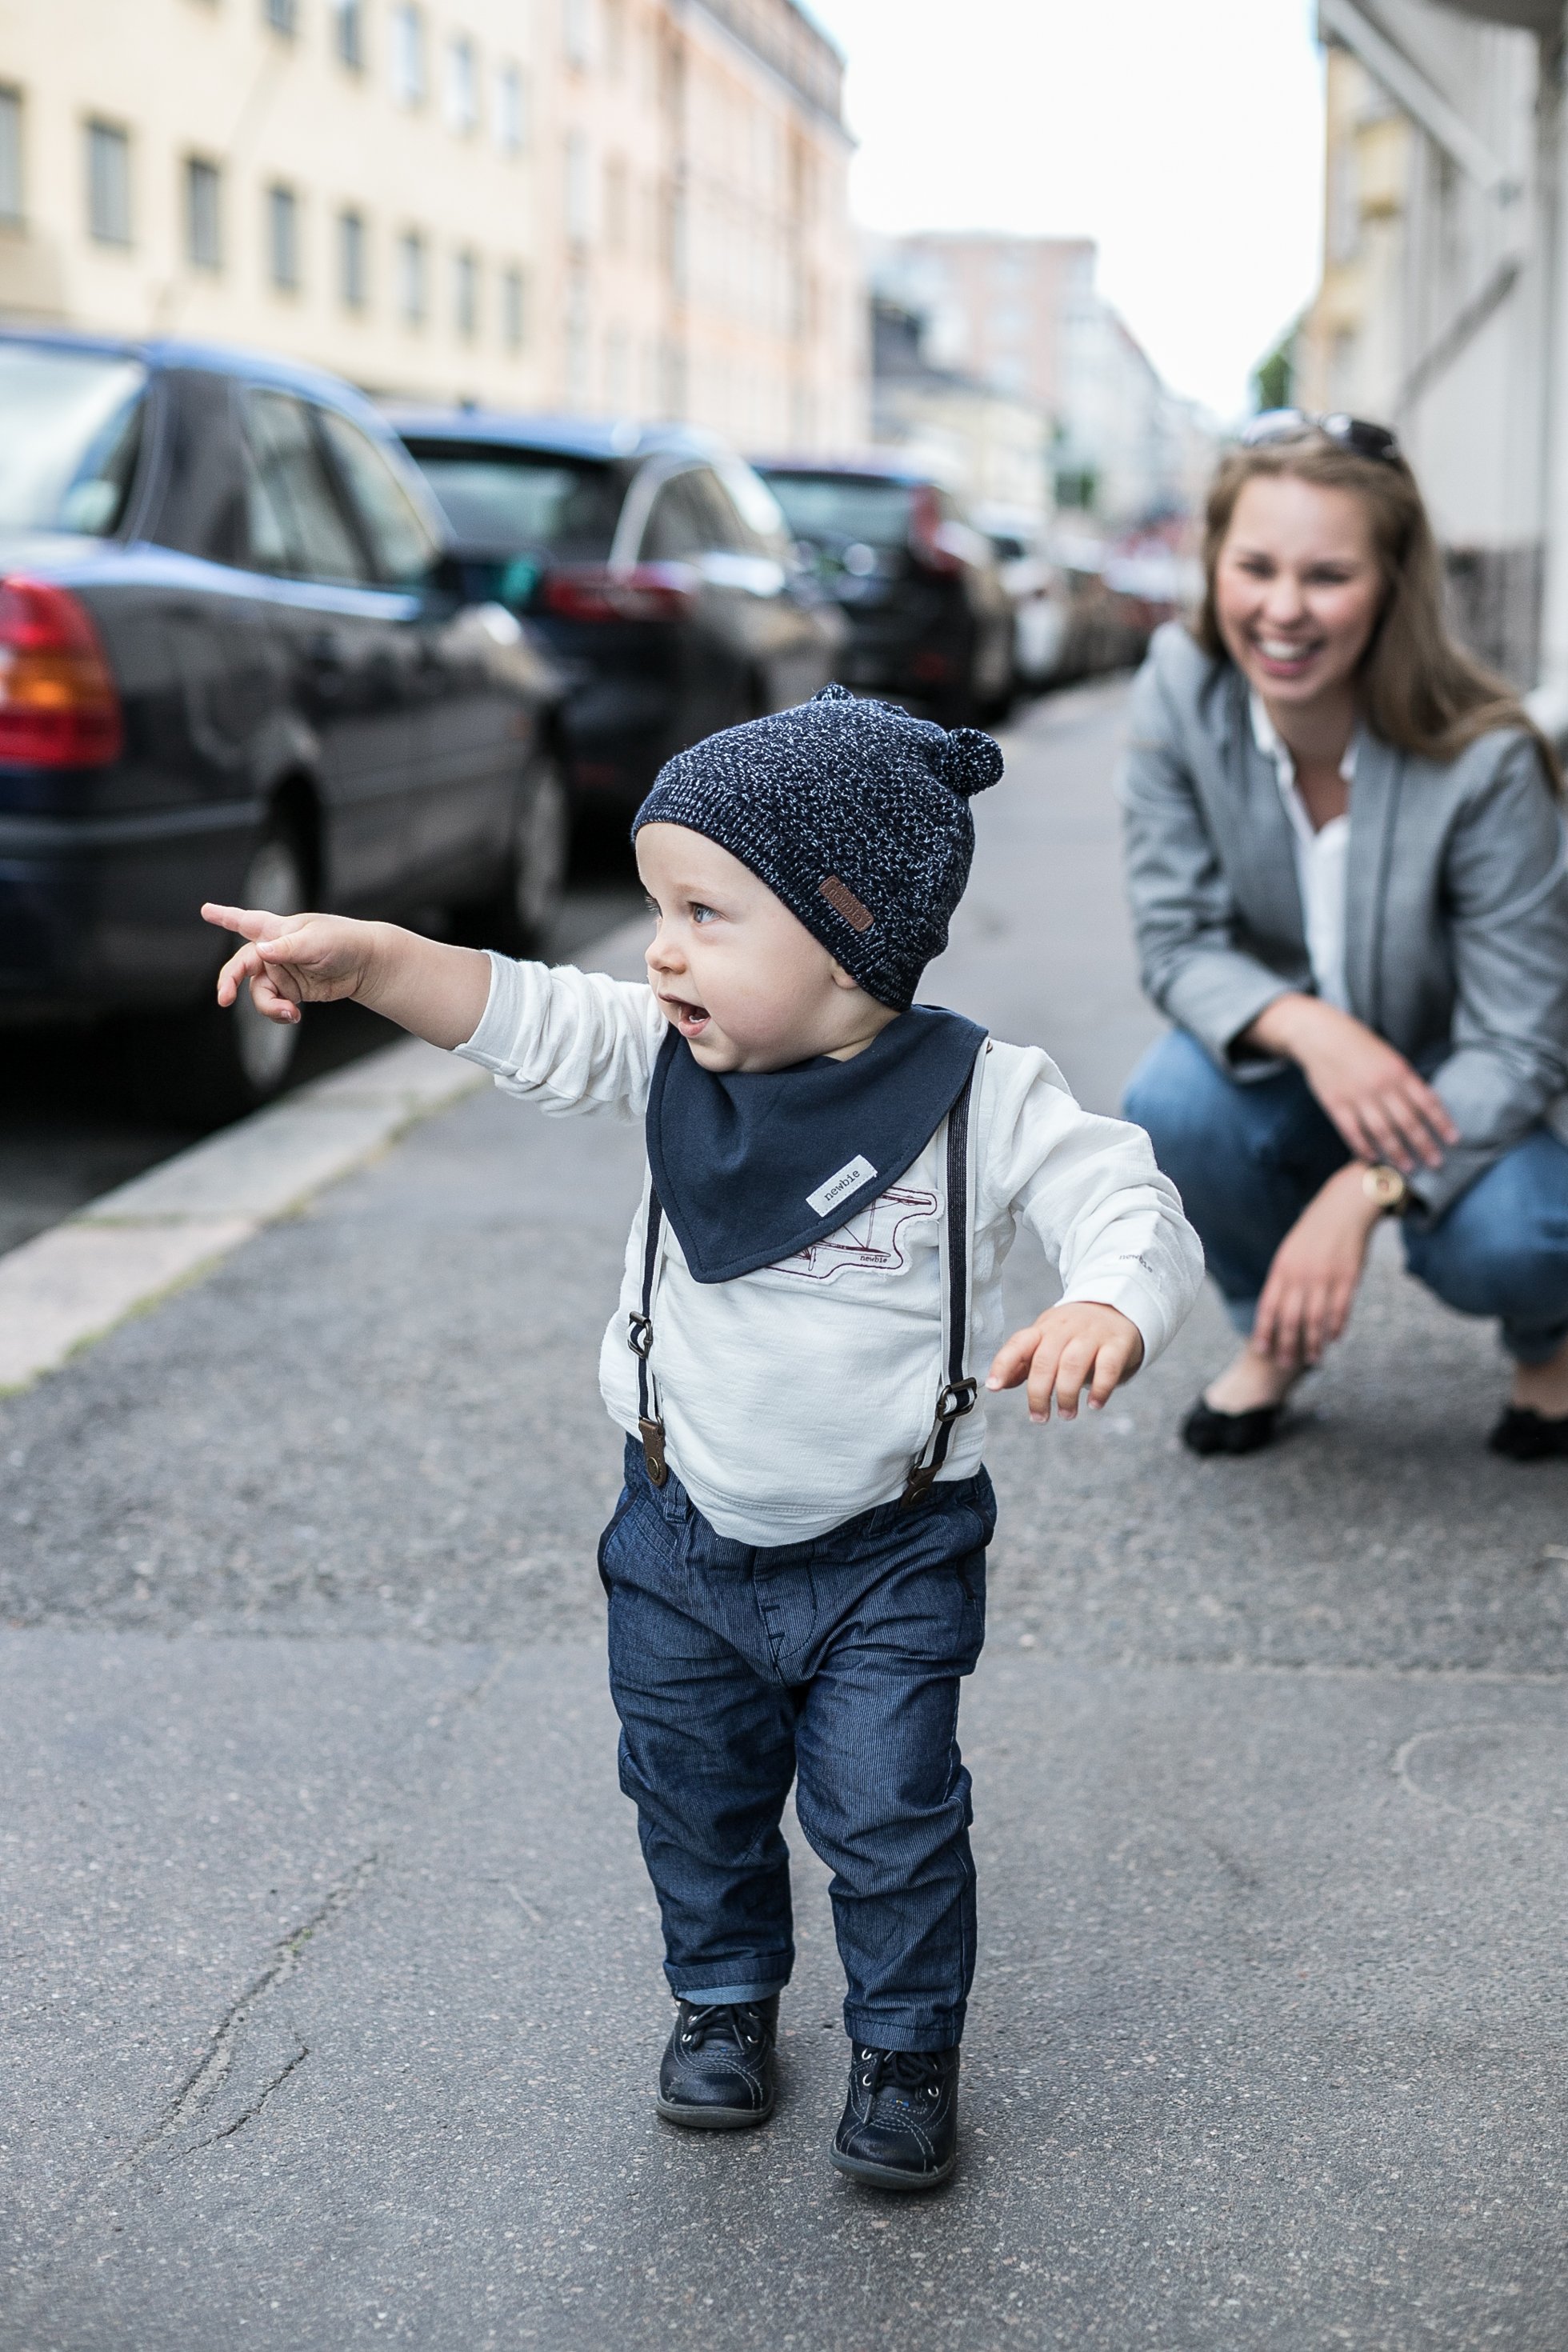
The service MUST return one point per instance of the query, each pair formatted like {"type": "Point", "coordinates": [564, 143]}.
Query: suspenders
{"type": "Point", "coordinates": [960, 1388]}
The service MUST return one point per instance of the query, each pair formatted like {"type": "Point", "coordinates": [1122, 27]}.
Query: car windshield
{"type": "Point", "coordinates": [70, 425]}
{"type": "Point", "coordinates": [844, 509]}
{"type": "Point", "coordinates": [502, 501]}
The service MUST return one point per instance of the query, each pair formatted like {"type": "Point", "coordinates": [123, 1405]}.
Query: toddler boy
{"type": "Point", "coordinates": [795, 1568]}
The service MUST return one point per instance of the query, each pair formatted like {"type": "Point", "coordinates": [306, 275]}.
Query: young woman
{"type": "Point", "coordinates": [1346, 862]}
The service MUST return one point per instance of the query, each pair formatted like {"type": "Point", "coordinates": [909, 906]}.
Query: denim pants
{"type": "Point", "coordinates": [1248, 1158]}
{"type": "Point", "coordinates": [734, 1668]}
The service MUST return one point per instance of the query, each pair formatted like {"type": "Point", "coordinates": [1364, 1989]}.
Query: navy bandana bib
{"type": "Point", "coordinates": [753, 1166]}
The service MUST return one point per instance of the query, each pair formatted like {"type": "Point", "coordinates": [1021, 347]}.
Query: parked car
{"type": "Point", "coordinates": [235, 664]}
{"type": "Point", "coordinates": [651, 563]}
{"type": "Point", "coordinates": [930, 623]}
{"type": "Point", "coordinates": [1040, 595]}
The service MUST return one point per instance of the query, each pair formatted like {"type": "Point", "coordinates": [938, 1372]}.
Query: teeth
{"type": "Point", "coordinates": [1272, 650]}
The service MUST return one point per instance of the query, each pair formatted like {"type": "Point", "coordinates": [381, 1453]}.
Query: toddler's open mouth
{"type": "Point", "coordinates": [689, 1019]}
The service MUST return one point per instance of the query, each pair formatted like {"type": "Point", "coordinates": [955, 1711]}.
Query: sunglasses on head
{"type": "Point", "coordinates": [1354, 433]}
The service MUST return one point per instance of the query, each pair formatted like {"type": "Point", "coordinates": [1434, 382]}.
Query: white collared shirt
{"type": "Point", "coordinates": [1321, 857]}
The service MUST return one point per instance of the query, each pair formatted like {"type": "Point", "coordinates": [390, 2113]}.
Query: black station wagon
{"type": "Point", "coordinates": [236, 663]}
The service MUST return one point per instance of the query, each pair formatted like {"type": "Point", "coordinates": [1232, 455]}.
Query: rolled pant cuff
{"type": "Point", "coordinates": [874, 2032]}
{"type": "Point", "coordinates": [720, 1996]}
{"type": "Point", "coordinates": [741, 1977]}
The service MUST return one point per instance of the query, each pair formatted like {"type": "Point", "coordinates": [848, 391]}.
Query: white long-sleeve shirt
{"type": "Point", "coordinates": [796, 1396]}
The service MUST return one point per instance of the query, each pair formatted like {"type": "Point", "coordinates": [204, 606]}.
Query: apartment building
{"type": "Point", "coordinates": [1442, 304]}
{"type": "Point", "coordinates": [605, 205]}
{"type": "Point", "coordinates": [1023, 316]}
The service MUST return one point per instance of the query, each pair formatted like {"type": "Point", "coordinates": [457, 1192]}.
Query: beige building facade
{"type": "Point", "coordinates": [610, 207]}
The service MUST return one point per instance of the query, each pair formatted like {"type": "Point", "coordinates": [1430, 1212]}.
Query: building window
{"type": "Point", "coordinates": [282, 15]}
{"type": "Point", "coordinates": [513, 310]}
{"type": "Point", "coordinates": [576, 31]}
{"type": "Point", "coordinates": [108, 184]}
{"type": "Point", "coordinates": [348, 33]}
{"type": "Point", "coordinates": [204, 226]}
{"type": "Point", "coordinates": [408, 55]}
{"type": "Point", "coordinates": [466, 294]}
{"type": "Point", "coordinates": [512, 110]}
{"type": "Point", "coordinates": [462, 86]}
{"type": "Point", "coordinates": [283, 239]}
{"type": "Point", "coordinates": [411, 290]}
{"type": "Point", "coordinates": [579, 188]}
{"type": "Point", "coordinates": [352, 274]}
{"type": "Point", "coordinates": [11, 157]}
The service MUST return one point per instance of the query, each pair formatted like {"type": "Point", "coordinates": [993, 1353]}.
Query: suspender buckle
{"type": "Point", "coordinates": [639, 1338]}
{"type": "Point", "coordinates": [652, 1435]}
{"type": "Point", "coordinates": [958, 1398]}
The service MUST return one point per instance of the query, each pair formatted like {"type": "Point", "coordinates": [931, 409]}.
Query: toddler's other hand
{"type": "Point", "coordinates": [292, 960]}
{"type": "Point", "coordinates": [1076, 1346]}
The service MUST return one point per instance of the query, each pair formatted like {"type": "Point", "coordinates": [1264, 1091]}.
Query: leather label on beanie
{"type": "Point", "coordinates": [850, 1178]}
{"type": "Point", "coordinates": [843, 901]}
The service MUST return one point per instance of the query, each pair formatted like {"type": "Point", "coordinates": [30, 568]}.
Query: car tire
{"type": "Point", "coordinates": [518, 918]}
{"type": "Point", "coordinates": [209, 1066]}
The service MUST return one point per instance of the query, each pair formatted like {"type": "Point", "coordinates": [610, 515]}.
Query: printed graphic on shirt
{"type": "Point", "coordinates": [848, 1180]}
{"type": "Point", "coordinates": [870, 1243]}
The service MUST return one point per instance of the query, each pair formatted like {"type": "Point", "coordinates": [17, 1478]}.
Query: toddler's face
{"type": "Point", "coordinates": [744, 982]}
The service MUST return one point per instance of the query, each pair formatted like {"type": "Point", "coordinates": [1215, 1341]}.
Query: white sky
{"type": "Point", "coordinates": [1185, 136]}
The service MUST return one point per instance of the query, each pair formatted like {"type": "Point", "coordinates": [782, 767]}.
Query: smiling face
{"type": "Point", "coordinates": [740, 978]}
{"type": "Point", "coordinates": [1297, 590]}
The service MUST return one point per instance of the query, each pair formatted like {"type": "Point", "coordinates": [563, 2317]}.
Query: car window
{"type": "Point", "coordinates": [678, 526]}
{"type": "Point", "coordinates": [70, 433]}
{"type": "Point", "coordinates": [723, 531]}
{"type": "Point", "coordinates": [758, 509]}
{"type": "Point", "coordinates": [298, 528]}
{"type": "Point", "coordinates": [510, 501]}
{"type": "Point", "coordinates": [839, 510]}
{"type": "Point", "coordinates": [402, 546]}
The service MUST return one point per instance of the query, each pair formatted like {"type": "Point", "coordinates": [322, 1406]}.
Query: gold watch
{"type": "Point", "coordinates": [1387, 1187]}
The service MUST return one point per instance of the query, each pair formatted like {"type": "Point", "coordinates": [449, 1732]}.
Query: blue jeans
{"type": "Point", "coordinates": [1248, 1158]}
{"type": "Point", "coordinates": [734, 1668]}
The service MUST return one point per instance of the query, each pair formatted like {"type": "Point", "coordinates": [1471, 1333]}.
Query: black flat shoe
{"type": "Point", "coordinates": [899, 2126]}
{"type": "Point", "coordinates": [1208, 1432]}
{"type": "Point", "coordinates": [1526, 1435]}
{"type": "Point", "coordinates": [717, 2072]}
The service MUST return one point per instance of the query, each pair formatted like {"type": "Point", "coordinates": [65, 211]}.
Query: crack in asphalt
{"type": "Point", "coordinates": [210, 2071]}
{"type": "Point", "coordinates": [300, 2054]}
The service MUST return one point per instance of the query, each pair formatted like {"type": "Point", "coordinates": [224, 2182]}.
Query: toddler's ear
{"type": "Point", "coordinates": [842, 979]}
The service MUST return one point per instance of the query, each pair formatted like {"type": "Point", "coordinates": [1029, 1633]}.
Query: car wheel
{"type": "Point", "coordinates": [516, 919]}
{"type": "Point", "coordinates": [209, 1065]}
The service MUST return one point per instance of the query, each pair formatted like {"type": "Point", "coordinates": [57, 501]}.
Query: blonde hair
{"type": "Point", "coordinates": [1420, 690]}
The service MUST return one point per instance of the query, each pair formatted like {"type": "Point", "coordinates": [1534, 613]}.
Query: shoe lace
{"type": "Point", "coordinates": [740, 2021]}
{"type": "Point", "coordinates": [909, 2073]}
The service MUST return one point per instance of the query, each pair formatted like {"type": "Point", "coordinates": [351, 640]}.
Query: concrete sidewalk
{"type": "Point", "coordinates": [332, 1990]}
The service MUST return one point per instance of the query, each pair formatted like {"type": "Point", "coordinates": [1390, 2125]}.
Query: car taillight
{"type": "Point", "coordinates": [927, 534]}
{"type": "Point", "coordinates": [632, 591]}
{"type": "Point", "coordinates": [60, 707]}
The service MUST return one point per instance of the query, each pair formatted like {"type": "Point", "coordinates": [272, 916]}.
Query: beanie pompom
{"type": "Point", "coordinates": [833, 692]}
{"type": "Point", "coordinates": [973, 761]}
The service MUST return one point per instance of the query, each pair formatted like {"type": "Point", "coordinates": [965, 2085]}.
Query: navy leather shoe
{"type": "Point", "coordinates": [717, 2072]}
{"type": "Point", "coordinates": [899, 2127]}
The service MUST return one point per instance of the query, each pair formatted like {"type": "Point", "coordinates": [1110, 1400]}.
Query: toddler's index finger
{"type": "Point", "coordinates": [250, 922]}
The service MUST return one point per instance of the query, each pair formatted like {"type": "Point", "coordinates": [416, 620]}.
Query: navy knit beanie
{"type": "Point", "coordinates": [853, 813]}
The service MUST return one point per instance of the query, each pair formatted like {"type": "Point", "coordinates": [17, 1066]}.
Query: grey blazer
{"type": "Point", "coordinates": [1457, 902]}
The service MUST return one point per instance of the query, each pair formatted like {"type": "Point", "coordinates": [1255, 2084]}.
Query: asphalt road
{"type": "Point", "coordinates": [333, 1991]}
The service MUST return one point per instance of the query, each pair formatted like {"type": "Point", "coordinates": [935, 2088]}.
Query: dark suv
{"type": "Point", "coordinates": [236, 663]}
{"type": "Point", "coordinates": [931, 621]}
{"type": "Point", "coordinates": [650, 560]}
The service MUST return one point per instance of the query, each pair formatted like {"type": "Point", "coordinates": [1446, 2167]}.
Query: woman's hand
{"type": "Point", "coordinates": [1307, 1298]}
{"type": "Point", "coordinates": [1070, 1348]}
{"type": "Point", "coordinates": [437, 992]}
{"type": "Point", "coordinates": [1384, 1109]}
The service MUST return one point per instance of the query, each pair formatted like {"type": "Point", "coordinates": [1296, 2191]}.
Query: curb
{"type": "Point", "coordinates": [73, 1283]}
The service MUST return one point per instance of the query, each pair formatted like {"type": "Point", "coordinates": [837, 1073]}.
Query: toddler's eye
{"type": "Point", "coordinates": [701, 914]}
